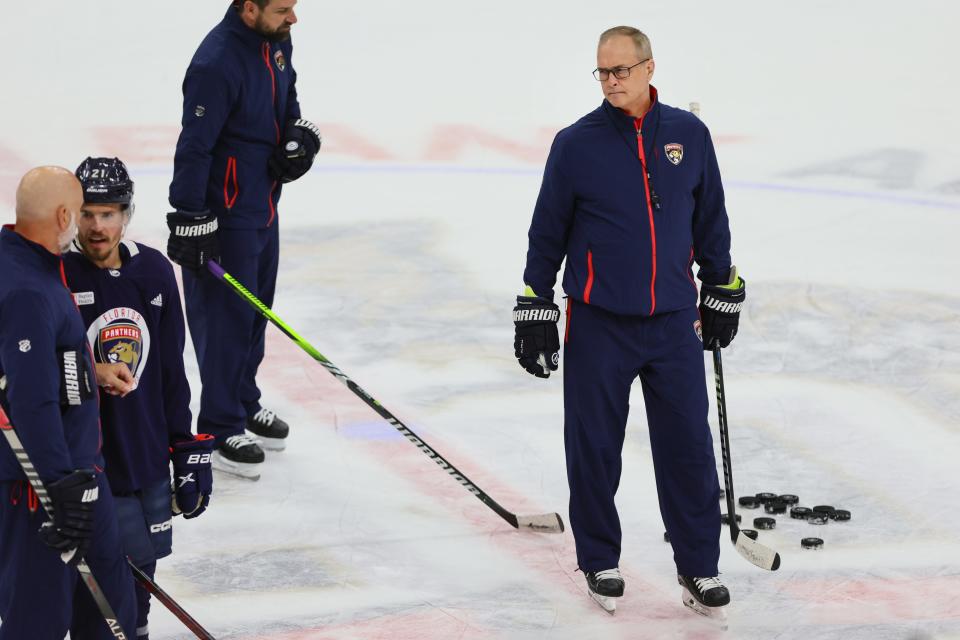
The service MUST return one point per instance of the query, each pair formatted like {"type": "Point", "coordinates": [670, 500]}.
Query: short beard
{"type": "Point", "coordinates": [273, 36]}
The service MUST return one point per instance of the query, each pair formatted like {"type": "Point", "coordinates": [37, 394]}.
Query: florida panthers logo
{"type": "Point", "coordinates": [280, 60]}
{"type": "Point", "coordinates": [121, 335]}
{"type": "Point", "coordinates": [674, 152]}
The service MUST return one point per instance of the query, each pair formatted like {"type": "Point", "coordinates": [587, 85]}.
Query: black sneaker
{"type": "Point", "coordinates": [607, 583]}
{"type": "Point", "coordinates": [270, 429]}
{"type": "Point", "coordinates": [709, 592]}
{"type": "Point", "coordinates": [239, 455]}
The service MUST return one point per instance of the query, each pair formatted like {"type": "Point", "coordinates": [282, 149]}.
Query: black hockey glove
{"type": "Point", "coordinates": [192, 475]}
{"type": "Point", "coordinates": [536, 342]}
{"type": "Point", "coordinates": [193, 239]}
{"type": "Point", "coordinates": [294, 156]}
{"type": "Point", "coordinates": [73, 498]}
{"type": "Point", "coordinates": [720, 311]}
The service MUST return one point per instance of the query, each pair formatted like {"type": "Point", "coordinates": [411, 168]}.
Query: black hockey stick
{"type": "Point", "coordinates": [759, 554]}
{"type": "Point", "coordinates": [170, 603]}
{"type": "Point", "coordinates": [82, 567]}
{"type": "Point", "coordinates": [545, 523]}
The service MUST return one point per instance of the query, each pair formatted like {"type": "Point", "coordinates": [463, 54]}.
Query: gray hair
{"type": "Point", "coordinates": [640, 40]}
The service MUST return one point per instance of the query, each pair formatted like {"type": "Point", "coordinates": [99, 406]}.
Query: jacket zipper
{"type": "Point", "coordinates": [276, 125]}
{"type": "Point", "coordinates": [638, 124]}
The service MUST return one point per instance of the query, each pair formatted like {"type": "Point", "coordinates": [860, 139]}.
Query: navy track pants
{"type": "Point", "coordinates": [603, 354]}
{"type": "Point", "coordinates": [227, 333]}
{"type": "Point", "coordinates": [40, 597]}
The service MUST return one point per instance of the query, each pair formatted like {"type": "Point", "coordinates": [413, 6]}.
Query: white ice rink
{"type": "Point", "coordinates": [838, 136]}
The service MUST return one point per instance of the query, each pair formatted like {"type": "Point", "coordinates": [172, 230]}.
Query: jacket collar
{"type": "Point", "coordinates": [248, 36]}
{"type": "Point", "coordinates": [35, 253]}
{"type": "Point", "coordinates": [627, 124]}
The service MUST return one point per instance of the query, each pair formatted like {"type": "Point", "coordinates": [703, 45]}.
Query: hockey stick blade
{"type": "Point", "coordinates": [756, 553]}
{"type": "Point", "coordinates": [545, 523]}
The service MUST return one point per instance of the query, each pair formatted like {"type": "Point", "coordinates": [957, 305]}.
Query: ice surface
{"type": "Point", "coordinates": [837, 134]}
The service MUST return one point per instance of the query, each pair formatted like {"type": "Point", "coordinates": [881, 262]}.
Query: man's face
{"type": "Point", "coordinates": [71, 208]}
{"type": "Point", "coordinates": [100, 229]}
{"type": "Point", "coordinates": [627, 93]}
{"type": "Point", "coordinates": [275, 20]}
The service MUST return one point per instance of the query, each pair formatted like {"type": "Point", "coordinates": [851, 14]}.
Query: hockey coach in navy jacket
{"type": "Point", "coordinates": [49, 394]}
{"type": "Point", "coordinates": [242, 139]}
{"type": "Point", "coordinates": [631, 198]}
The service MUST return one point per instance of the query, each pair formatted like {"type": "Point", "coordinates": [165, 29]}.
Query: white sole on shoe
{"type": "Point", "coordinates": [607, 603]}
{"type": "Point", "coordinates": [270, 444]}
{"type": "Point", "coordinates": [716, 615]}
{"type": "Point", "coordinates": [243, 470]}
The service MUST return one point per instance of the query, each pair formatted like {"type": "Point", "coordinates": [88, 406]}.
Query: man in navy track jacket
{"type": "Point", "coordinates": [631, 198]}
{"type": "Point", "coordinates": [242, 138]}
{"type": "Point", "coordinates": [49, 394]}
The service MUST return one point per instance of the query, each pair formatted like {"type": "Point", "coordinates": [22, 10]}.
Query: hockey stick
{"type": "Point", "coordinates": [545, 523]}
{"type": "Point", "coordinates": [82, 567]}
{"type": "Point", "coordinates": [169, 603]}
{"type": "Point", "coordinates": [759, 554]}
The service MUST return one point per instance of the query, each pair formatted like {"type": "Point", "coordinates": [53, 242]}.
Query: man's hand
{"type": "Point", "coordinates": [115, 378]}
{"type": "Point", "coordinates": [536, 343]}
{"type": "Point", "coordinates": [71, 525]}
{"type": "Point", "coordinates": [192, 475]}
{"type": "Point", "coordinates": [294, 156]}
{"type": "Point", "coordinates": [193, 239]}
{"type": "Point", "coordinates": [720, 311]}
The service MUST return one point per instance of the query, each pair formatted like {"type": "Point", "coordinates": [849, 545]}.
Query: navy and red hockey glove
{"type": "Point", "coordinates": [193, 239]}
{"type": "Point", "coordinates": [294, 156]}
{"type": "Point", "coordinates": [69, 531]}
{"type": "Point", "coordinates": [192, 475]}
{"type": "Point", "coordinates": [536, 343]}
{"type": "Point", "coordinates": [720, 307]}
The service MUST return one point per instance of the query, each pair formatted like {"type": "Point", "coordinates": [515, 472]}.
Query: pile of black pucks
{"type": "Point", "coordinates": [774, 505]}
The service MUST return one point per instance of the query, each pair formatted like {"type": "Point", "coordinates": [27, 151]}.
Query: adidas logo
{"type": "Point", "coordinates": [158, 301]}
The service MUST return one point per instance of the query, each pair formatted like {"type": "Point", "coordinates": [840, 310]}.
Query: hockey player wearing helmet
{"type": "Point", "coordinates": [128, 297]}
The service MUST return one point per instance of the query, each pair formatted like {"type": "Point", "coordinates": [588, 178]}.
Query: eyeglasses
{"type": "Point", "coordinates": [620, 73]}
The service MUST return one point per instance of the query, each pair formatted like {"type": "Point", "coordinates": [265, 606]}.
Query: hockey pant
{"type": "Point", "coordinates": [604, 353]}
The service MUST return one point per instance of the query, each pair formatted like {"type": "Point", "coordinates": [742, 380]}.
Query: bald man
{"type": "Point", "coordinates": [49, 396]}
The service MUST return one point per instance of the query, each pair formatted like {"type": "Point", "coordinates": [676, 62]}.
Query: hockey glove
{"type": "Point", "coordinates": [71, 527]}
{"type": "Point", "coordinates": [720, 311]}
{"type": "Point", "coordinates": [536, 342]}
{"type": "Point", "coordinates": [193, 239]}
{"type": "Point", "coordinates": [294, 156]}
{"type": "Point", "coordinates": [192, 475]}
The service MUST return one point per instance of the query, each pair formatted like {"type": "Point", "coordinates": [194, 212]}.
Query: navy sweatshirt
{"type": "Point", "coordinates": [630, 239]}
{"type": "Point", "coordinates": [133, 315]}
{"type": "Point", "coordinates": [37, 320]}
{"type": "Point", "coordinates": [238, 94]}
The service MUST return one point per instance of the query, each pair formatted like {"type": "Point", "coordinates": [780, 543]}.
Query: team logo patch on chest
{"type": "Point", "coordinates": [280, 60]}
{"type": "Point", "coordinates": [674, 152]}
{"type": "Point", "coordinates": [121, 335]}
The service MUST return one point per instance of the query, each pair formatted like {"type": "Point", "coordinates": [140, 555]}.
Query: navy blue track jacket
{"type": "Point", "coordinates": [37, 320]}
{"type": "Point", "coordinates": [238, 94]}
{"type": "Point", "coordinates": [133, 315]}
{"type": "Point", "coordinates": [630, 240]}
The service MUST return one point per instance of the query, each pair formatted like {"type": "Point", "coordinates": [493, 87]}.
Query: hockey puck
{"type": "Point", "coordinates": [800, 513]}
{"type": "Point", "coordinates": [775, 507]}
{"type": "Point", "coordinates": [764, 523]}
{"type": "Point", "coordinates": [840, 515]}
{"type": "Point", "coordinates": [811, 543]}
{"type": "Point", "coordinates": [750, 533]}
{"type": "Point", "coordinates": [666, 537]}
{"type": "Point", "coordinates": [749, 502]}
{"type": "Point", "coordinates": [789, 499]}
{"type": "Point", "coordinates": [824, 508]}
{"type": "Point", "coordinates": [764, 498]}
{"type": "Point", "coordinates": [725, 518]}
{"type": "Point", "coordinates": [818, 517]}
